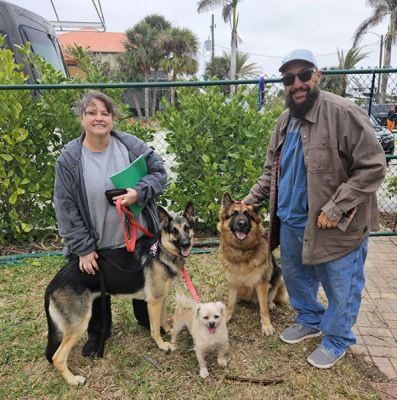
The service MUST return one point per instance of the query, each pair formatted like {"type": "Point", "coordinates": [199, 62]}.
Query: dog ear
{"type": "Point", "coordinates": [164, 217]}
{"type": "Point", "coordinates": [198, 313]}
{"type": "Point", "coordinates": [220, 306]}
{"type": "Point", "coordinates": [257, 207]}
{"type": "Point", "coordinates": [226, 200]}
{"type": "Point", "coordinates": [189, 212]}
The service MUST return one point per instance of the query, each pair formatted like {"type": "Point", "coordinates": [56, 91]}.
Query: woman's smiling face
{"type": "Point", "coordinates": [96, 119]}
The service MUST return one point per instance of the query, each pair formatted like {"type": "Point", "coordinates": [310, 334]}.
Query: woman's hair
{"type": "Point", "coordinates": [92, 95]}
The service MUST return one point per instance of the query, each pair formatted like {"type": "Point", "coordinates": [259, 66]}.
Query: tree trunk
{"type": "Point", "coordinates": [233, 60]}
{"type": "Point", "coordinates": [137, 105]}
{"type": "Point", "coordinates": [154, 101]}
{"type": "Point", "coordinates": [386, 64]}
{"type": "Point", "coordinates": [147, 96]}
{"type": "Point", "coordinates": [173, 90]}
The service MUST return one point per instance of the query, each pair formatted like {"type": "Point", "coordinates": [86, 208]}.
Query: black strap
{"type": "Point", "coordinates": [101, 347]}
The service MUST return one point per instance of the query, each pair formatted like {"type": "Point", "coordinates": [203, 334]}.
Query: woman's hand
{"type": "Point", "coordinates": [88, 263]}
{"type": "Point", "coordinates": [131, 197]}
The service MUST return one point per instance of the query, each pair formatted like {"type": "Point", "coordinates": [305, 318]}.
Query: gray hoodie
{"type": "Point", "coordinates": [71, 205]}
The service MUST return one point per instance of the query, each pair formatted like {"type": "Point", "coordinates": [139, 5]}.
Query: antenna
{"type": "Point", "coordinates": [60, 25]}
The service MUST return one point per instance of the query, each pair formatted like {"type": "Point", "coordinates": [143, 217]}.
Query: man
{"type": "Point", "coordinates": [391, 118]}
{"type": "Point", "coordinates": [321, 174]}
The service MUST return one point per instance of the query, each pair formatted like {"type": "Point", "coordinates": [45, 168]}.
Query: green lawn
{"type": "Point", "coordinates": [134, 368]}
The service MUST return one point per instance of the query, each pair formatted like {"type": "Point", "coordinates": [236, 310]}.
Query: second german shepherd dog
{"type": "Point", "coordinates": [252, 273]}
{"type": "Point", "coordinates": [69, 296]}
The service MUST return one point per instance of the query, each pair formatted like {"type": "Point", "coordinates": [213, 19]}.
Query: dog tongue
{"type": "Point", "coordinates": [211, 330]}
{"type": "Point", "coordinates": [240, 235]}
{"type": "Point", "coordinates": [185, 251]}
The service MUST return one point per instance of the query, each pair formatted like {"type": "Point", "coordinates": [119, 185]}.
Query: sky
{"type": "Point", "coordinates": [268, 29]}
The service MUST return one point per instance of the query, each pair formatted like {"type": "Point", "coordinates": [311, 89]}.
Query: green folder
{"type": "Point", "coordinates": [129, 177]}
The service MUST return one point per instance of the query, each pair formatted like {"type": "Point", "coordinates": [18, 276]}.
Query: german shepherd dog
{"type": "Point", "coordinates": [69, 296]}
{"type": "Point", "coordinates": [252, 273]}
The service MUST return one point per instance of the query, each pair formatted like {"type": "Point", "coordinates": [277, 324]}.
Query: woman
{"type": "Point", "coordinates": [86, 220]}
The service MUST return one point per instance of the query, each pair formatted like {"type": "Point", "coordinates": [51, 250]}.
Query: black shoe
{"type": "Point", "coordinates": [92, 345]}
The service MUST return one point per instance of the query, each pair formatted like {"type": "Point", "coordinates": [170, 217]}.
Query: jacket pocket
{"type": "Point", "coordinates": [322, 156]}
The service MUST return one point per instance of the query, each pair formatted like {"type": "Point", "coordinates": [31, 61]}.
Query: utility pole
{"type": "Point", "coordinates": [212, 38]}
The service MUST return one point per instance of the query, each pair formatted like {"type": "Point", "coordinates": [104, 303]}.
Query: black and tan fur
{"type": "Point", "coordinates": [252, 273]}
{"type": "Point", "coordinates": [68, 300]}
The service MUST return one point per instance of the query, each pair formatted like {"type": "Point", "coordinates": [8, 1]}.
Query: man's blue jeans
{"type": "Point", "coordinates": [342, 281]}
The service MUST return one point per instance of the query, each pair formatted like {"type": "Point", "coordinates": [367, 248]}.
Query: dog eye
{"type": "Point", "coordinates": [174, 231]}
{"type": "Point", "coordinates": [205, 317]}
{"type": "Point", "coordinates": [186, 228]}
{"type": "Point", "coordinates": [216, 316]}
{"type": "Point", "coordinates": [234, 213]}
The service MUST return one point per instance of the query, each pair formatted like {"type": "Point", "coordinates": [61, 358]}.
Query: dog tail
{"type": "Point", "coordinates": [181, 300]}
{"type": "Point", "coordinates": [277, 281]}
{"type": "Point", "coordinates": [54, 337]}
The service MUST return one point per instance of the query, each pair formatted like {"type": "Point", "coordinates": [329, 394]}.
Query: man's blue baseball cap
{"type": "Point", "coordinates": [298, 55]}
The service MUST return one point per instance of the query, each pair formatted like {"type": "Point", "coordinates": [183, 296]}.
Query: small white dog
{"type": "Point", "coordinates": [206, 324]}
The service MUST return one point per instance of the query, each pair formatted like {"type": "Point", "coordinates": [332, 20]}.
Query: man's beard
{"type": "Point", "coordinates": [299, 110]}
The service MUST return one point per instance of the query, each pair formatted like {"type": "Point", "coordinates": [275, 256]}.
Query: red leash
{"type": "Point", "coordinates": [190, 286]}
{"type": "Point", "coordinates": [129, 224]}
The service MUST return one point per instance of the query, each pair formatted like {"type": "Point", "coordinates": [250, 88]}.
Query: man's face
{"type": "Point", "coordinates": [301, 93]}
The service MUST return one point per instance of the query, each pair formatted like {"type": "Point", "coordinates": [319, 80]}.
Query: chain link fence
{"type": "Point", "coordinates": [374, 90]}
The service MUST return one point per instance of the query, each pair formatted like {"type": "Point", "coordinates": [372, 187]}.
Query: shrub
{"type": "Point", "coordinates": [219, 145]}
{"type": "Point", "coordinates": [33, 131]}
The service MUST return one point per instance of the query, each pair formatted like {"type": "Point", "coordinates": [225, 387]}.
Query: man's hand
{"type": "Point", "coordinates": [88, 263]}
{"type": "Point", "coordinates": [323, 222]}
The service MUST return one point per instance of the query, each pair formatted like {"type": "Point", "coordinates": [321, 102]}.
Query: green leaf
{"type": "Point", "coordinates": [6, 157]}
{"type": "Point", "coordinates": [13, 198]}
{"type": "Point", "coordinates": [26, 227]}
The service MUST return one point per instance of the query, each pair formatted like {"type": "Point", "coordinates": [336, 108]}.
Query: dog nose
{"type": "Point", "coordinates": [211, 324]}
{"type": "Point", "coordinates": [185, 242]}
{"type": "Point", "coordinates": [241, 223]}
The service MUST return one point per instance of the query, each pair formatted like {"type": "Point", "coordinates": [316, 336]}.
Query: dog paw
{"type": "Point", "coordinates": [204, 372]}
{"type": "Point", "coordinates": [267, 330]}
{"type": "Point", "coordinates": [76, 380]}
{"type": "Point", "coordinates": [166, 346]}
{"type": "Point", "coordinates": [271, 306]}
{"type": "Point", "coordinates": [173, 347]}
{"type": "Point", "coordinates": [166, 328]}
{"type": "Point", "coordinates": [222, 362]}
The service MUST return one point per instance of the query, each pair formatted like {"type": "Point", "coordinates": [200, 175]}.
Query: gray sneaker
{"type": "Point", "coordinates": [297, 332]}
{"type": "Point", "coordinates": [323, 358]}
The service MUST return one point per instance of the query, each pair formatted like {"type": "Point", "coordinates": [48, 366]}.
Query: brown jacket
{"type": "Point", "coordinates": [345, 166]}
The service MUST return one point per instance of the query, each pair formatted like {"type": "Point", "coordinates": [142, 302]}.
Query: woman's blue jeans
{"type": "Point", "coordinates": [342, 281]}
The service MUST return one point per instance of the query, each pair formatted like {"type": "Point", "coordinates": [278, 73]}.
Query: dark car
{"type": "Point", "coordinates": [385, 137]}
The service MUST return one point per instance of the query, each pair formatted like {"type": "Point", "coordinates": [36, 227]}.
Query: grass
{"type": "Point", "coordinates": [134, 368]}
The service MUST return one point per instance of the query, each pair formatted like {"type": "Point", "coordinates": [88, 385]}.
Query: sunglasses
{"type": "Point", "coordinates": [303, 76]}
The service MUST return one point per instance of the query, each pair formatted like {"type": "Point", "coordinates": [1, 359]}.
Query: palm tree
{"type": "Point", "coordinates": [381, 10]}
{"type": "Point", "coordinates": [141, 52]}
{"type": "Point", "coordinates": [338, 83]}
{"type": "Point", "coordinates": [229, 13]}
{"type": "Point", "coordinates": [179, 48]}
{"type": "Point", "coordinates": [219, 66]}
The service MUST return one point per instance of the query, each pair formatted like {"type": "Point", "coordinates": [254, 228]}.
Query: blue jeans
{"type": "Point", "coordinates": [342, 280]}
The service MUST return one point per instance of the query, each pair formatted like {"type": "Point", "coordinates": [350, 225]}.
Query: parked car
{"type": "Point", "coordinates": [385, 137]}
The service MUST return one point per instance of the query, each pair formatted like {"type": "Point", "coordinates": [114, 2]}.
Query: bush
{"type": "Point", "coordinates": [33, 131]}
{"type": "Point", "coordinates": [219, 145]}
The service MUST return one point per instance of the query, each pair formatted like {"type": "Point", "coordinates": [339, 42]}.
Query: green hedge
{"type": "Point", "coordinates": [33, 129]}
{"type": "Point", "coordinates": [219, 145]}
